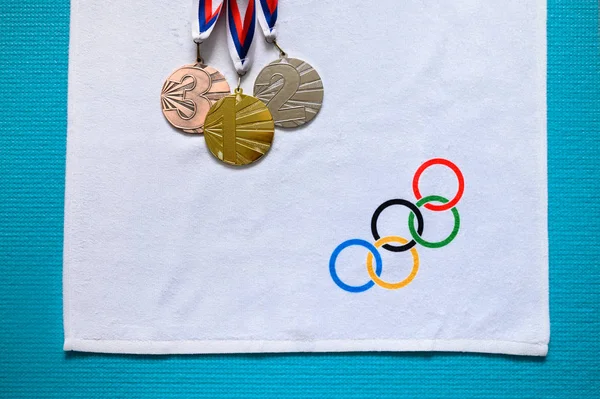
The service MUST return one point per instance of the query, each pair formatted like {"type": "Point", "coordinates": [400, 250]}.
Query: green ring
{"type": "Point", "coordinates": [415, 235]}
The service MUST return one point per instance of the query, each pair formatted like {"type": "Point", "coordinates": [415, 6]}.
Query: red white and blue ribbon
{"type": "Point", "coordinates": [241, 24]}
{"type": "Point", "coordinates": [204, 18]}
{"type": "Point", "coordinates": [267, 16]}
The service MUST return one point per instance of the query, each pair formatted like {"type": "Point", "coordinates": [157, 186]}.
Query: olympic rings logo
{"type": "Point", "coordinates": [435, 203]}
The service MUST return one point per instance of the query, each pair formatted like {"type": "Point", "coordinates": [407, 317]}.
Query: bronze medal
{"type": "Point", "coordinates": [239, 129]}
{"type": "Point", "coordinates": [292, 90]}
{"type": "Point", "coordinates": [188, 94]}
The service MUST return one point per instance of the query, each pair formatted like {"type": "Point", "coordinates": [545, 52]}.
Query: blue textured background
{"type": "Point", "coordinates": [33, 100]}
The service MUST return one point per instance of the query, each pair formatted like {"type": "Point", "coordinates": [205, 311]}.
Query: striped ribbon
{"type": "Point", "coordinates": [267, 16]}
{"type": "Point", "coordinates": [204, 18]}
{"type": "Point", "coordinates": [241, 23]}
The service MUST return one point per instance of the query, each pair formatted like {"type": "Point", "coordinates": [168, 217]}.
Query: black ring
{"type": "Point", "coordinates": [414, 209]}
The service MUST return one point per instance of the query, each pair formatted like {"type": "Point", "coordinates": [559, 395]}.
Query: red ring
{"type": "Point", "coordinates": [455, 169]}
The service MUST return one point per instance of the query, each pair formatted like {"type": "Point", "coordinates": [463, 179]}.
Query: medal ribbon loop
{"type": "Point", "coordinates": [267, 16]}
{"type": "Point", "coordinates": [205, 14]}
{"type": "Point", "coordinates": [240, 32]}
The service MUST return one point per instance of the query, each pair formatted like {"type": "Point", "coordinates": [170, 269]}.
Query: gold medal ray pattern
{"type": "Point", "coordinates": [239, 129]}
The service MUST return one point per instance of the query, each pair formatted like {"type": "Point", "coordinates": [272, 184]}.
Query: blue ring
{"type": "Point", "coordinates": [336, 253]}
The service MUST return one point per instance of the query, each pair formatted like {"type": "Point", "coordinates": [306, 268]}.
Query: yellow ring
{"type": "Point", "coordinates": [385, 284]}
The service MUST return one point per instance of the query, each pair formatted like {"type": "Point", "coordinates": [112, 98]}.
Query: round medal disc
{"type": "Point", "coordinates": [292, 90]}
{"type": "Point", "coordinates": [239, 129]}
{"type": "Point", "coordinates": [188, 94]}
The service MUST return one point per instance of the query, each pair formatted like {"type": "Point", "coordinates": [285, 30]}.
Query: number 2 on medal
{"type": "Point", "coordinates": [291, 84]}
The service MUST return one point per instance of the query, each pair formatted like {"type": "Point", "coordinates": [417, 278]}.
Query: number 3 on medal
{"type": "Point", "coordinates": [291, 89]}
{"type": "Point", "coordinates": [188, 94]}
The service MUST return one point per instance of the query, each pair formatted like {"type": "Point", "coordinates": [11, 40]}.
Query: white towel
{"type": "Point", "coordinates": [169, 251]}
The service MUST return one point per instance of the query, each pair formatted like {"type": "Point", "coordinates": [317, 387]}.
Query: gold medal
{"type": "Point", "coordinates": [239, 129]}
{"type": "Point", "coordinates": [292, 90]}
{"type": "Point", "coordinates": [188, 94]}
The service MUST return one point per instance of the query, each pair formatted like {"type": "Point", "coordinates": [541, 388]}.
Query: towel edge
{"type": "Point", "coordinates": [257, 346]}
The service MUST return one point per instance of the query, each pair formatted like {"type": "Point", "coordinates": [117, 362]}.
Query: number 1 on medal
{"type": "Point", "coordinates": [229, 129]}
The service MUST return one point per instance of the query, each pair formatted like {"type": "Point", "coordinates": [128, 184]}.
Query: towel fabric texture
{"type": "Point", "coordinates": [410, 215]}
